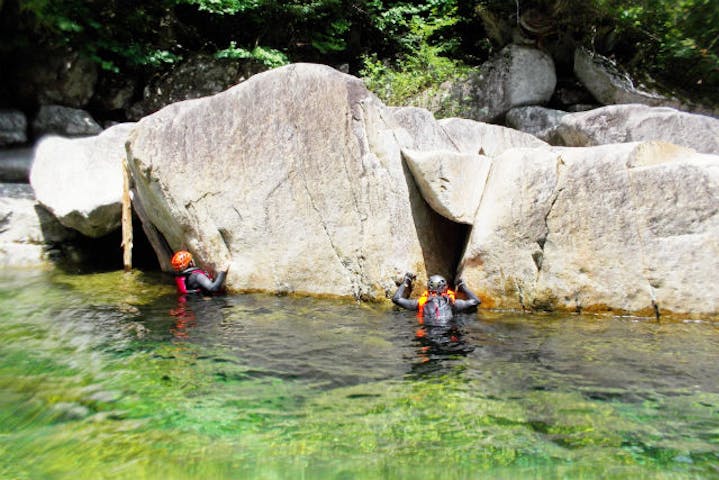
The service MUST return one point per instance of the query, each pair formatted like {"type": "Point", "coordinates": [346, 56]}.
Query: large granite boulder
{"type": "Point", "coordinates": [80, 180]}
{"type": "Point", "coordinates": [623, 228]}
{"type": "Point", "coordinates": [294, 179]}
{"type": "Point", "coordinates": [632, 123]}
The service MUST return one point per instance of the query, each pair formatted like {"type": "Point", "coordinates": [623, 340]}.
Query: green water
{"type": "Point", "coordinates": [108, 376]}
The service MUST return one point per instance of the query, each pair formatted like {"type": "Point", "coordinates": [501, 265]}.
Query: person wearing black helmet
{"type": "Point", "coordinates": [438, 302]}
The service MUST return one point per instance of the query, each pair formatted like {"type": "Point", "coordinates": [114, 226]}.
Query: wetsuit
{"type": "Point", "coordinates": [196, 280]}
{"type": "Point", "coordinates": [435, 306]}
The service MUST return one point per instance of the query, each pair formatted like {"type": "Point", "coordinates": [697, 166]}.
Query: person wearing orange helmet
{"type": "Point", "coordinates": [438, 302]}
{"type": "Point", "coordinates": [192, 279]}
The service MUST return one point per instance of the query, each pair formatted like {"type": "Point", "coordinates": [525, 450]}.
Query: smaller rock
{"type": "Point", "coordinates": [13, 127]}
{"type": "Point", "coordinates": [451, 183]}
{"type": "Point", "coordinates": [486, 139]}
{"type": "Point", "coordinates": [64, 121]}
{"type": "Point", "coordinates": [15, 164]}
{"type": "Point", "coordinates": [80, 180]}
{"type": "Point", "coordinates": [632, 123]}
{"type": "Point", "coordinates": [533, 119]}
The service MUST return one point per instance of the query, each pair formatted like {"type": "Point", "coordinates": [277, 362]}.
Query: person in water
{"type": "Point", "coordinates": [438, 302]}
{"type": "Point", "coordinates": [192, 279]}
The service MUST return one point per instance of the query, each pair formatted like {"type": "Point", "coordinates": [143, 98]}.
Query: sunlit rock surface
{"type": "Point", "coordinates": [294, 179]}
{"type": "Point", "coordinates": [634, 123]}
{"type": "Point", "coordinates": [80, 180]}
{"type": "Point", "coordinates": [452, 183]}
{"type": "Point", "coordinates": [624, 228]}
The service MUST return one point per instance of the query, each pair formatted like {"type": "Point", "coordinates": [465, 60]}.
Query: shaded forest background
{"type": "Point", "coordinates": [399, 47]}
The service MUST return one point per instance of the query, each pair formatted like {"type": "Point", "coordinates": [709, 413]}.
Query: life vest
{"type": "Point", "coordinates": [426, 295]}
{"type": "Point", "coordinates": [181, 279]}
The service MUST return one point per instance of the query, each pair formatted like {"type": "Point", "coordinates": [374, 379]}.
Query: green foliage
{"type": "Point", "coordinates": [424, 63]}
{"type": "Point", "coordinates": [267, 56]}
{"type": "Point", "coordinates": [223, 7]}
{"type": "Point", "coordinates": [676, 41]}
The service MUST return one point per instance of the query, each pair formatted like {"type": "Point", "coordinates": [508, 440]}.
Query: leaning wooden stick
{"type": "Point", "coordinates": [126, 218]}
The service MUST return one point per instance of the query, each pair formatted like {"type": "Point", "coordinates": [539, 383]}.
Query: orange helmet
{"type": "Point", "coordinates": [181, 260]}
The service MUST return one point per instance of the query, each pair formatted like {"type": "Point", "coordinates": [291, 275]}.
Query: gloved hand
{"type": "Point", "coordinates": [458, 284]}
{"type": "Point", "coordinates": [409, 277]}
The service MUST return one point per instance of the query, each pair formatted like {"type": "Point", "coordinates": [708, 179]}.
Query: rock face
{"type": "Point", "coordinates": [624, 228]}
{"type": "Point", "coordinates": [485, 139]}
{"type": "Point", "coordinates": [80, 180]}
{"type": "Point", "coordinates": [294, 178]}
{"type": "Point", "coordinates": [631, 123]}
{"type": "Point", "coordinates": [517, 76]}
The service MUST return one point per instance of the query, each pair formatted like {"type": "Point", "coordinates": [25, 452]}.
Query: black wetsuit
{"type": "Point", "coordinates": [436, 306]}
{"type": "Point", "coordinates": [196, 280]}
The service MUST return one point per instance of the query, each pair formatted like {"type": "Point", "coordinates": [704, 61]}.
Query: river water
{"type": "Point", "coordinates": [108, 375]}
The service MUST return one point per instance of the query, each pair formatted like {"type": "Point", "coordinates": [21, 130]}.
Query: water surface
{"type": "Point", "coordinates": [109, 376]}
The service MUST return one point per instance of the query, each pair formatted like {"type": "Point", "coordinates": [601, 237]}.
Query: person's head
{"type": "Point", "coordinates": [181, 260]}
{"type": "Point", "coordinates": [437, 284]}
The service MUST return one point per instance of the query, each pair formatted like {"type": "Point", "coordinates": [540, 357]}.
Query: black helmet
{"type": "Point", "coordinates": [437, 284]}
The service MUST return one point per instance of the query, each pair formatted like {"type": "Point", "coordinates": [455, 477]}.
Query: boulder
{"type": "Point", "coordinates": [607, 83]}
{"type": "Point", "coordinates": [64, 121]}
{"type": "Point", "coordinates": [628, 228]}
{"type": "Point", "coordinates": [517, 76]}
{"type": "Point", "coordinates": [632, 123]}
{"type": "Point", "coordinates": [13, 127]}
{"type": "Point", "coordinates": [294, 179]}
{"type": "Point", "coordinates": [199, 76]}
{"type": "Point", "coordinates": [27, 231]}
{"type": "Point", "coordinates": [80, 180]}
{"type": "Point", "coordinates": [15, 164]}
{"type": "Point", "coordinates": [610, 85]}
{"type": "Point", "coordinates": [533, 119]}
{"type": "Point", "coordinates": [469, 136]}
{"type": "Point", "coordinates": [450, 182]}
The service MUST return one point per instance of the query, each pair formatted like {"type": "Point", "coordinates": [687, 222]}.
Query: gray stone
{"type": "Point", "coordinates": [451, 183]}
{"type": "Point", "coordinates": [533, 119]}
{"type": "Point", "coordinates": [64, 121]}
{"type": "Point", "coordinates": [13, 127]}
{"type": "Point", "coordinates": [517, 76]}
{"type": "Point", "coordinates": [629, 228]}
{"type": "Point", "coordinates": [80, 180]}
{"type": "Point", "coordinates": [631, 123]}
{"type": "Point", "coordinates": [294, 179]}
{"type": "Point", "coordinates": [469, 136]}
{"type": "Point", "coordinates": [26, 229]}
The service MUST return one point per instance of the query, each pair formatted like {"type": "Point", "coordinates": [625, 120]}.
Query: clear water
{"type": "Point", "coordinates": [108, 376]}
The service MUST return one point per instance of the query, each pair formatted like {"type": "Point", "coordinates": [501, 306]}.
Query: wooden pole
{"type": "Point", "coordinates": [126, 218]}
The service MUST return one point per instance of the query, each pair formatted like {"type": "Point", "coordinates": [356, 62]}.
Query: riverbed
{"type": "Point", "coordinates": [110, 375]}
